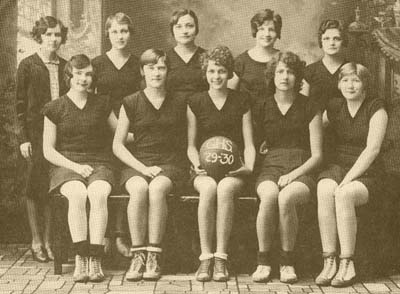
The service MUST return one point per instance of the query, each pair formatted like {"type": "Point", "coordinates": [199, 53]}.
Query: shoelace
{"type": "Point", "coordinates": [138, 261]}
{"type": "Point", "coordinates": [287, 269]}
{"type": "Point", "coordinates": [204, 266]}
{"type": "Point", "coordinates": [343, 267]}
{"type": "Point", "coordinates": [328, 262]}
{"type": "Point", "coordinates": [83, 264]}
{"type": "Point", "coordinates": [220, 265]}
{"type": "Point", "coordinates": [95, 262]}
{"type": "Point", "coordinates": [152, 261]}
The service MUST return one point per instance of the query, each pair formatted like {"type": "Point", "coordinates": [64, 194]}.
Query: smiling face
{"type": "Point", "coordinates": [81, 78]}
{"type": "Point", "coordinates": [351, 87]}
{"type": "Point", "coordinates": [217, 75]}
{"type": "Point", "coordinates": [119, 35]}
{"type": "Point", "coordinates": [284, 77]}
{"type": "Point", "coordinates": [266, 34]}
{"type": "Point", "coordinates": [155, 74]}
{"type": "Point", "coordinates": [185, 30]}
{"type": "Point", "coordinates": [332, 42]}
{"type": "Point", "coordinates": [51, 39]}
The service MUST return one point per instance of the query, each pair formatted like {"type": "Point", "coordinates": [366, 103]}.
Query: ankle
{"type": "Point", "coordinates": [286, 258]}
{"type": "Point", "coordinates": [264, 258]}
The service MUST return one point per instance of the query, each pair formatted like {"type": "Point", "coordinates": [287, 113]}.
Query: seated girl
{"type": "Point", "coordinates": [73, 142]}
{"type": "Point", "coordinates": [155, 161]}
{"type": "Point", "coordinates": [292, 134]}
{"type": "Point", "coordinates": [218, 112]}
{"type": "Point", "coordinates": [358, 124]}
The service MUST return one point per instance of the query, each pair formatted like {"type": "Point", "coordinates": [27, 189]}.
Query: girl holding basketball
{"type": "Point", "coordinates": [218, 112]}
{"type": "Point", "coordinates": [155, 161]}
{"type": "Point", "coordinates": [353, 177]}
{"type": "Point", "coordinates": [292, 135]}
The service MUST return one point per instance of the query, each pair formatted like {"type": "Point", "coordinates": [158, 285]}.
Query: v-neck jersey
{"type": "Point", "coordinates": [185, 78]}
{"type": "Point", "coordinates": [114, 82]}
{"type": "Point", "coordinates": [159, 134]}
{"type": "Point", "coordinates": [225, 122]}
{"type": "Point", "coordinates": [80, 130]}
{"type": "Point", "coordinates": [323, 84]}
{"type": "Point", "coordinates": [350, 133]}
{"type": "Point", "coordinates": [289, 130]}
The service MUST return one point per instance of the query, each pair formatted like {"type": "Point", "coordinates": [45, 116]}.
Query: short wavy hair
{"type": "Point", "coordinates": [78, 61]}
{"type": "Point", "coordinates": [222, 56]}
{"type": "Point", "coordinates": [332, 24]}
{"type": "Point", "coordinates": [360, 71]}
{"type": "Point", "coordinates": [119, 18]}
{"type": "Point", "coordinates": [43, 24]}
{"type": "Point", "coordinates": [177, 14]}
{"type": "Point", "coordinates": [266, 15]}
{"type": "Point", "coordinates": [293, 62]}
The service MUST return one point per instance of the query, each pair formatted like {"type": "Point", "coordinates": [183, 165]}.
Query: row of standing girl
{"type": "Point", "coordinates": [151, 127]}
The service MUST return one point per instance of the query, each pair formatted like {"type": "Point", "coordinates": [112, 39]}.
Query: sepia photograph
{"type": "Point", "coordinates": [199, 146]}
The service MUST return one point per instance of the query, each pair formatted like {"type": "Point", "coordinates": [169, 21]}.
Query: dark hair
{"type": "Point", "coordinates": [222, 56]}
{"type": "Point", "coordinates": [266, 15]}
{"type": "Point", "coordinates": [360, 71]}
{"type": "Point", "coordinates": [43, 24]}
{"type": "Point", "coordinates": [152, 56]}
{"type": "Point", "coordinates": [293, 62]}
{"type": "Point", "coordinates": [77, 61]}
{"type": "Point", "coordinates": [177, 14]}
{"type": "Point", "coordinates": [332, 24]}
{"type": "Point", "coordinates": [119, 18]}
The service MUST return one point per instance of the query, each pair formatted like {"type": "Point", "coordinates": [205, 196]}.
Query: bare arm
{"type": "Point", "coordinates": [55, 157]}
{"type": "Point", "coordinates": [376, 134]}
{"type": "Point", "coordinates": [305, 88]}
{"type": "Point", "coordinates": [113, 122]}
{"type": "Point", "coordinates": [192, 152]}
{"type": "Point", "coordinates": [233, 83]}
{"type": "Point", "coordinates": [315, 128]}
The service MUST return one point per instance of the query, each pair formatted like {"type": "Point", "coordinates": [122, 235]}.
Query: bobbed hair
{"type": "Point", "coordinates": [152, 56]}
{"type": "Point", "coordinates": [360, 71]}
{"type": "Point", "coordinates": [43, 24]}
{"type": "Point", "coordinates": [222, 56]}
{"type": "Point", "coordinates": [77, 61]}
{"type": "Point", "coordinates": [332, 24]}
{"type": "Point", "coordinates": [266, 15]}
{"type": "Point", "coordinates": [177, 14]}
{"type": "Point", "coordinates": [119, 18]}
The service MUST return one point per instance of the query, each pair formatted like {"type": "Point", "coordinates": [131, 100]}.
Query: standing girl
{"type": "Point", "coordinates": [292, 135]}
{"type": "Point", "coordinates": [358, 124]}
{"type": "Point", "coordinates": [218, 112]}
{"type": "Point", "coordinates": [118, 75]}
{"type": "Point", "coordinates": [39, 80]}
{"type": "Point", "coordinates": [73, 142]}
{"type": "Point", "coordinates": [155, 161]}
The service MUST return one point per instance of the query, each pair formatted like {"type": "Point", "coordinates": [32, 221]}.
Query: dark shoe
{"type": "Point", "coordinates": [346, 274]}
{"type": "Point", "coordinates": [49, 252]}
{"type": "Point", "coordinates": [204, 273]}
{"type": "Point", "coordinates": [153, 269]}
{"type": "Point", "coordinates": [137, 267]}
{"type": "Point", "coordinates": [328, 272]}
{"type": "Point", "coordinates": [123, 247]}
{"type": "Point", "coordinates": [39, 254]}
{"type": "Point", "coordinates": [220, 270]}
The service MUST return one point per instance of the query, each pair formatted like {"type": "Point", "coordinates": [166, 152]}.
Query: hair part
{"type": "Point", "coordinates": [360, 71]}
{"type": "Point", "coordinates": [292, 61]}
{"type": "Point", "coordinates": [266, 15]}
{"type": "Point", "coordinates": [120, 18]}
{"type": "Point", "coordinates": [152, 56]}
{"type": "Point", "coordinates": [79, 61]}
{"type": "Point", "coordinates": [222, 56]}
{"type": "Point", "coordinates": [43, 24]}
{"type": "Point", "coordinates": [332, 24]}
{"type": "Point", "coordinates": [177, 14]}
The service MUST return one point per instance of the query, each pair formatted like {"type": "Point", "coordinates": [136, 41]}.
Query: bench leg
{"type": "Point", "coordinates": [60, 232]}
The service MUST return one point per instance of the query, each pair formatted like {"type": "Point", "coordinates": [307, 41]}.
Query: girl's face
{"type": "Point", "coordinates": [284, 77]}
{"type": "Point", "coordinates": [119, 35]}
{"type": "Point", "coordinates": [351, 86]}
{"type": "Point", "coordinates": [185, 30]}
{"type": "Point", "coordinates": [82, 78]}
{"type": "Point", "coordinates": [155, 74]}
{"type": "Point", "coordinates": [51, 39]}
{"type": "Point", "coordinates": [331, 42]}
{"type": "Point", "coordinates": [266, 34]}
{"type": "Point", "coordinates": [217, 75]}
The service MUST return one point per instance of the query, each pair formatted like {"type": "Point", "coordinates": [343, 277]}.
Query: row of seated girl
{"type": "Point", "coordinates": [186, 98]}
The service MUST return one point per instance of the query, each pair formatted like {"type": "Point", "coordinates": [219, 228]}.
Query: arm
{"type": "Point", "coordinates": [315, 128]}
{"type": "Point", "coordinates": [305, 88]}
{"type": "Point", "coordinates": [113, 122]}
{"type": "Point", "coordinates": [376, 134]}
{"type": "Point", "coordinates": [249, 149]}
{"type": "Point", "coordinates": [56, 158]}
{"type": "Point", "coordinates": [192, 152]}
{"type": "Point", "coordinates": [233, 83]}
{"type": "Point", "coordinates": [120, 150]}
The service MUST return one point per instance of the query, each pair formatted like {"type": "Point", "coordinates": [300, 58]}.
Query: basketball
{"type": "Point", "coordinates": [218, 156]}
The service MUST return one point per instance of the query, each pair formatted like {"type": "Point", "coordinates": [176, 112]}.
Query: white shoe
{"type": "Point", "coordinates": [288, 274]}
{"type": "Point", "coordinates": [346, 274]}
{"type": "Point", "coordinates": [95, 271]}
{"type": "Point", "coordinates": [328, 272]}
{"type": "Point", "coordinates": [137, 267]}
{"type": "Point", "coordinates": [81, 269]}
{"type": "Point", "coordinates": [153, 269]}
{"type": "Point", "coordinates": [262, 273]}
{"type": "Point", "coordinates": [221, 273]}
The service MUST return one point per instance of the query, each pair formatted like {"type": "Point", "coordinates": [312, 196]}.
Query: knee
{"type": "Point", "coordinates": [207, 188]}
{"type": "Point", "coordinates": [137, 187]}
{"type": "Point", "coordinates": [98, 193]}
{"type": "Point", "coordinates": [76, 194]}
{"type": "Point", "coordinates": [160, 187]}
{"type": "Point", "coordinates": [286, 202]}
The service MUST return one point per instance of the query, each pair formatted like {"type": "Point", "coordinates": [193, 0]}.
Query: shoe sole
{"type": "Point", "coordinates": [324, 283]}
{"type": "Point", "coordinates": [151, 278]}
{"type": "Point", "coordinates": [345, 283]}
{"type": "Point", "coordinates": [135, 279]}
{"type": "Point", "coordinates": [289, 281]}
{"type": "Point", "coordinates": [261, 280]}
